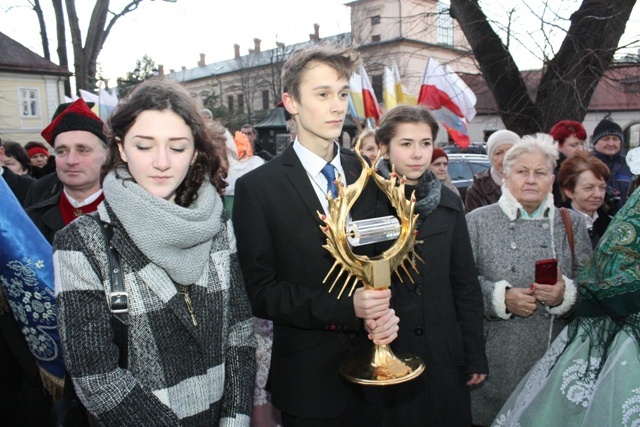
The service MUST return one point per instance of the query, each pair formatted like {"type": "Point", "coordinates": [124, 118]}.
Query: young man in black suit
{"type": "Point", "coordinates": [280, 248]}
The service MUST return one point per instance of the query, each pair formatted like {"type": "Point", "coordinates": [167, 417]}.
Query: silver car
{"type": "Point", "coordinates": [462, 168]}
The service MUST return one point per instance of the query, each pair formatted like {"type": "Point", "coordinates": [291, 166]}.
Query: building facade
{"type": "Point", "coordinates": [405, 31]}
{"type": "Point", "coordinates": [31, 88]}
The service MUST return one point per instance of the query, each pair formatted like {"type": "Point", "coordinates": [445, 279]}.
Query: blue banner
{"type": "Point", "coordinates": [26, 276]}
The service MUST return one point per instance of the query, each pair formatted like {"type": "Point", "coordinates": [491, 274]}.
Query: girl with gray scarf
{"type": "Point", "coordinates": [190, 337]}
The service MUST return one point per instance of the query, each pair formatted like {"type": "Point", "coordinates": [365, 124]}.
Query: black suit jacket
{"type": "Point", "coordinates": [280, 248]}
{"type": "Point", "coordinates": [43, 189]}
{"type": "Point", "coordinates": [19, 184]}
{"type": "Point", "coordinates": [47, 217]}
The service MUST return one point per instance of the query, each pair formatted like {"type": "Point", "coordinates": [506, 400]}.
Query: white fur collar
{"type": "Point", "coordinates": [511, 207]}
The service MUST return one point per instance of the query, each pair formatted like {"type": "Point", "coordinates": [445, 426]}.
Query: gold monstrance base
{"type": "Point", "coordinates": [382, 367]}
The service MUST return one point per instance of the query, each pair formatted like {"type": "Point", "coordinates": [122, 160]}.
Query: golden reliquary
{"type": "Point", "coordinates": [382, 366]}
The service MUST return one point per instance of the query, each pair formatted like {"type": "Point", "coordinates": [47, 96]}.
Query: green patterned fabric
{"type": "Point", "coordinates": [610, 282]}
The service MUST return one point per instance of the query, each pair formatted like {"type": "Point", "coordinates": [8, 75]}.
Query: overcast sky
{"type": "Point", "coordinates": [174, 34]}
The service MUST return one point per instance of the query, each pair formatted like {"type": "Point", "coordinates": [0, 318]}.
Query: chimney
{"type": "Point", "coordinates": [202, 62]}
{"type": "Point", "coordinates": [256, 44]}
{"type": "Point", "coordinates": [236, 50]}
{"type": "Point", "coordinates": [183, 68]}
{"type": "Point", "coordinates": [316, 33]}
{"type": "Point", "coordinates": [160, 70]}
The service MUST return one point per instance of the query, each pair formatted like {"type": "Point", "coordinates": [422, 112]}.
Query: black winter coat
{"type": "Point", "coordinates": [440, 321]}
{"type": "Point", "coordinates": [47, 217]}
{"type": "Point", "coordinates": [19, 184]}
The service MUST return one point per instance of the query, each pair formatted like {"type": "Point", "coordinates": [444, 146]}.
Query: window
{"type": "Point", "coordinates": [230, 103]}
{"type": "Point", "coordinates": [265, 99]}
{"type": "Point", "coordinates": [375, 38]}
{"type": "Point", "coordinates": [241, 103]}
{"type": "Point", "coordinates": [28, 102]}
{"type": "Point", "coordinates": [376, 82]}
{"type": "Point", "coordinates": [375, 20]}
{"type": "Point", "coordinates": [445, 24]}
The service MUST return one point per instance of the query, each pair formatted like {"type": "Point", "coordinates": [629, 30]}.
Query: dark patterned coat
{"type": "Point", "coordinates": [178, 373]}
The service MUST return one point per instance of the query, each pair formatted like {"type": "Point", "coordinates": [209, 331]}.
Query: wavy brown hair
{"type": "Point", "coordinates": [160, 95]}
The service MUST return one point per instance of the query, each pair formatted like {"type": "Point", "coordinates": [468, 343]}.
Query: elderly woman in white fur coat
{"type": "Point", "coordinates": [523, 317]}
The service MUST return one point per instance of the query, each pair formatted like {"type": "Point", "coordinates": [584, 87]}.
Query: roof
{"type": "Point", "coordinates": [251, 60]}
{"type": "Point", "coordinates": [276, 119]}
{"type": "Point", "coordinates": [14, 57]}
{"type": "Point", "coordinates": [617, 90]}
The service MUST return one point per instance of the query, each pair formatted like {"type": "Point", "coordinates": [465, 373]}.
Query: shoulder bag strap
{"type": "Point", "coordinates": [118, 298]}
{"type": "Point", "coordinates": [566, 219]}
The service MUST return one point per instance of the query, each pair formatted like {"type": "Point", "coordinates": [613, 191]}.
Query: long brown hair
{"type": "Point", "coordinates": [159, 95]}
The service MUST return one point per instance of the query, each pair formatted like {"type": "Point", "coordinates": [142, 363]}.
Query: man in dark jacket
{"type": "Point", "coordinates": [607, 141]}
{"type": "Point", "coordinates": [80, 151]}
{"type": "Point", "coordinates": [80, 147]}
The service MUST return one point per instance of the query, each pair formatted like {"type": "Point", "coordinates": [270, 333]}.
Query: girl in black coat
{"type": "Point", "coordinates": [441, 314]}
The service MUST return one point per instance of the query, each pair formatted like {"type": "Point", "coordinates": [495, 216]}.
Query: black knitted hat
{"type": "Point", "coordinates": [606, 127]}
{"type": "Point", "coordinates": [77, 116]}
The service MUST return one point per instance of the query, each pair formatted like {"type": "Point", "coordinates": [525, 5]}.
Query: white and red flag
{"type": "Point", "coordinates": [449, 99]}
{"type": "Point", "coordinates": [371, 107]}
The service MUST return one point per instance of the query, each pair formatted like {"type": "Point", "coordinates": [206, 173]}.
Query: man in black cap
{"type": "Point", "coordinates": [80, 150]}
{"type": "Point", "coordinates": [607, 142]}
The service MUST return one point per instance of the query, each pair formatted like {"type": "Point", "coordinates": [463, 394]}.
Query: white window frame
{"type": "Point", "coordinates": [29, 102]}
{"type": "Point", "coordinates": [445, 24]}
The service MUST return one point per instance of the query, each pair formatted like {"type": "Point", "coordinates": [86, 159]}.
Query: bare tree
{"type": "Point", "coordinates": [568, 79]}
{"type": "Point", "coordinates": [248, 81]}
{"type": "Point", "coordinates": [85, 55]}
{"type": "Point", "coordinates": [277, 58]}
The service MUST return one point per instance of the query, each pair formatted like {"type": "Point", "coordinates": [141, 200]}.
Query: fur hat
{"type": "Point", "coordinates": [606, 127]}
{"type": "Point", "coordinates": [77, 116]}
{"type": "Point", "coordinates": [437, 153]}
{"type": "Point", "coordinates": [498, 138]}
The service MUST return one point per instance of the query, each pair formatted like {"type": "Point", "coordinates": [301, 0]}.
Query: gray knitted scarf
{"type": "Point", "coordinates": [176, 238]}
{"type": "Point", "coordinates": [427, 190]}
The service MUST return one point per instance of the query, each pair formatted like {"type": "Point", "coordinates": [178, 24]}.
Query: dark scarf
{"type": "Point", "coordinates": [427, 190]}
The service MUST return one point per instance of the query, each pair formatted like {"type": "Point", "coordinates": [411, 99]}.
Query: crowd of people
{"type": "Point", "coordinates": [220, 251]}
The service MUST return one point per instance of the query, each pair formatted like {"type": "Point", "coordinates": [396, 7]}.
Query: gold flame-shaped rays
{"type": "Point", "coordinates": [362, 268]}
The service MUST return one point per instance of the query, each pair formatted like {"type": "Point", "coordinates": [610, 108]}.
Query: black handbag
{"type": "Point", "coordinates": [69, 410]}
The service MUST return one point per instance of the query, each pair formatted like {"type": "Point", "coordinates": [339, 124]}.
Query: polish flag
{"type": "Point", "coordinates": [450, 99]}
{"type": "Point", "coordinates": [371, 107]}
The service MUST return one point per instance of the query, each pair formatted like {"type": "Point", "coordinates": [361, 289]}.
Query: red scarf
{"type": "Point", "coordinates": [69, 212]}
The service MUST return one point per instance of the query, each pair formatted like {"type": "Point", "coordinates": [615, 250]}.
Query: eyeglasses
{"type": "Point", "coordinates": [248, 132]}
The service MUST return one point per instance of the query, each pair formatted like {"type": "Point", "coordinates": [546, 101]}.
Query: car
{"type": "Point", "coordinates": [462, 168]}
{"type": "Point", "coordinates": [474, 148]}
